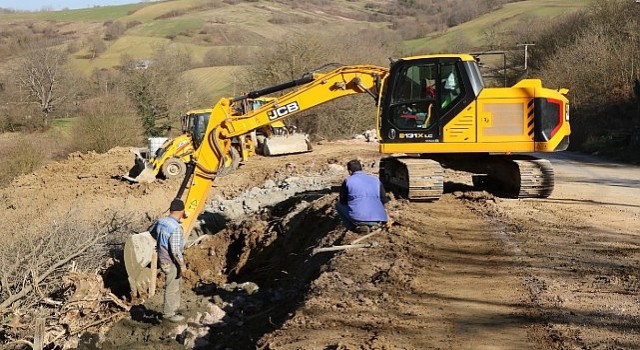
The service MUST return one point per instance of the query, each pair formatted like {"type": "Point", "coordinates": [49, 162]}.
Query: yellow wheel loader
{"type": "Point", "coordinates": [169, 160]}
{"type": "Point", "coordinates": [433, 111]}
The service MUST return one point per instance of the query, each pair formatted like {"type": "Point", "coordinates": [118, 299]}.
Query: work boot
{"type": "Point", "coordinates": [175, 318]}
{"type": "Point", "coordinates": [363, 229]}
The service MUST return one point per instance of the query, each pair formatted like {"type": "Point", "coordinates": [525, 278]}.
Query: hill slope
{"type": "Point", "coordinates": [199, 26]}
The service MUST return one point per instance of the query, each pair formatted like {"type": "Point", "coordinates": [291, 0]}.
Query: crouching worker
{"type": "Point", "coordinates": [362, 200]}
{"type": "Point", "coordinates": [170, 246]}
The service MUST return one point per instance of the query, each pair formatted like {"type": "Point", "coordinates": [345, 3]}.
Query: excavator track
{"type": "Point", "coordinates": [536, 178]}
{"type": "Point", "coordinates": [414, 178]}
{"type": "Point", "coordinates": [521, 177]}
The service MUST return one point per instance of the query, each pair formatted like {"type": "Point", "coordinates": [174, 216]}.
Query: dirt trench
{"type": "Point", "coordinates": [254, 268]}
{"type": "Point", "coordinates": [256, 272]}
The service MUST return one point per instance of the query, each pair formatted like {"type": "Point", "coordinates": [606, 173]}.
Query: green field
{"type": "Point", "coordinates": [137, 47]}
{"type": "Point", "coordinates": [61, 128]}
{"type": "Point", "coordinates": [216, 82]}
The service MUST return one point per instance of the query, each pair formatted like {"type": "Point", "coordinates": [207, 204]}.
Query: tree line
{"type": "Point", "coordinates": [594, 53]}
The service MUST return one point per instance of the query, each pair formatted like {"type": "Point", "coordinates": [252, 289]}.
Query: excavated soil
{"type": "Point", "coordinates": [470, 271]}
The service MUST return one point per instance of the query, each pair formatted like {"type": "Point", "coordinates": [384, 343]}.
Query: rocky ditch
{"type": "Point", "coordinates": [249, 277]}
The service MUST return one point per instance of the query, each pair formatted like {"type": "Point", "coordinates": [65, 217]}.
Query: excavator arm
{"type": "Point", "coordinates": [209, 161]}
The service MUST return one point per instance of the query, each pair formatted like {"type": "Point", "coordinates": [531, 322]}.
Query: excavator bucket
{"type": "Point", "coordinates": [142, 170]}
{"type": "Point", "coordinates": [138, 250]}
{"type": "Point", "coordinates": [286, 144]}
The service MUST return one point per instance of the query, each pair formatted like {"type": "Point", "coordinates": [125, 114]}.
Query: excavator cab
{"type": "Point", "coordinates": [421, 96]}
{"type": "Point", "coordinates": [196, 125]}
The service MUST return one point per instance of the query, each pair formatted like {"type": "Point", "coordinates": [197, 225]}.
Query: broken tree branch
{"type": "Point", "coordinates": [38, 279]}
{"type": "Point", "coordinates": [343, 247]}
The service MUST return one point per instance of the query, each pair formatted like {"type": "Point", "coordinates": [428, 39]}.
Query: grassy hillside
{"type": "Point", "coordinates": [94, 14]}
{"type": "Point", "coordinates": [197, 26]}
{"type": "Point", "coordinates": [135, 46]}
{"type": "Point", "coordinates": [216, 82]}
{"type": "Point", "coordinates": [512, 17]}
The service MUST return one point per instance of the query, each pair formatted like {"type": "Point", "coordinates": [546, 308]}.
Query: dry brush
{"type": "Point", "coordinates": [52, 276]}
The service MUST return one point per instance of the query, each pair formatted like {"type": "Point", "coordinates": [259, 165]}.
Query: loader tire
{"type": "Point", "coordinates": [173, 168]}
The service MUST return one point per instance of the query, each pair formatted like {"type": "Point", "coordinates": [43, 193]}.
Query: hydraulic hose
{"type": "Point", "coordinates": [276, 88]}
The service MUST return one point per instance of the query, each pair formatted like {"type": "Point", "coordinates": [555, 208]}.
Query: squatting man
{"type": "Point", "coordinates": [362, 199]}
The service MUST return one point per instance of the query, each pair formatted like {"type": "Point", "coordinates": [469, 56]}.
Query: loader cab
{"type": "Point", "coordinates": [423, 94]}
{"type": "Point", "coordinates": [195, 124]}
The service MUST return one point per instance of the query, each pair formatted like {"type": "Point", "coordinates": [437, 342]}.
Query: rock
{"type": "Point", "coordinates": [251, 205]}
{"type": "Point", "coordinates": [178, 329]}
{"type": "Point", "coordinates": [249, 287]}
{"type": "Point", "coordinates": [195, 337]}
{"type": "Point", "coordinates": [218, 300]}
{"type": "Point", "coordinates": [196, 318]}
{"type": "Point", "coordinates": [213, 315]}
{"type": "Point", "coordinates": [255, 192]}
{"type": "Point", "coordinates": [336, 169]}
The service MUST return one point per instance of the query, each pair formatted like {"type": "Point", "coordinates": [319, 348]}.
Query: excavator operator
{"type": "Point", "coordinates": [362, 200]}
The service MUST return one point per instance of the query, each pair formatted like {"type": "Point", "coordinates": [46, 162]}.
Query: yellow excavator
{"type": "Point", "coordinates": [169, 160]}
{"type": "Point", "coordinates": [433, 111]}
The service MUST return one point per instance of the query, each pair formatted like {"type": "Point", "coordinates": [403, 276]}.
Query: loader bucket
{"type": "Point", "coordinates": [142, 170]}
{"type": "Point", "coordinates": [286, 144]}
{"type": "Point", "coordinates": [138, 250]}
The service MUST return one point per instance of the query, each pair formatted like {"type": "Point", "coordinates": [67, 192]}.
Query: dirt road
{"type": "Point", "coordinates": [470, 271]}
{"type": "Point", "coordinates": [476, 272]}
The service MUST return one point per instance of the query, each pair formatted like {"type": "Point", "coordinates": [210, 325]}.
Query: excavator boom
{"type": "Point", "coordinates": [321, 88]}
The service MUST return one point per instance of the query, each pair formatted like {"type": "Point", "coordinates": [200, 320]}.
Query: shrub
{"type": "Point", "coordinates": [106, 122]}
{"type": "Point", "coordinates": [21, 157]}
{"type": "Point", "coordinates": [73, 47]}
{"type": "Point", "coordinates": [133, 23]}
{"type": "Point", "coordinates": [170, 14]}
{"type": "Point", "coordinates": [114, 30]}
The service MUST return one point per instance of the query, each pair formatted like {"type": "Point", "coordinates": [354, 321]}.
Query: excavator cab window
{"type": "Point", "coordinates": [451, 87]}
{"type": "Point", "coordinates": [422, 96]}
{"type": "Point", "coordinates": [414, 96]}
{"type": "Point", "coordinates": [198, 124]}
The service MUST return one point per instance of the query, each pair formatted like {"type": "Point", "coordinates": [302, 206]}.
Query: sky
{"type": "Point", "coordinates": [34, 5]}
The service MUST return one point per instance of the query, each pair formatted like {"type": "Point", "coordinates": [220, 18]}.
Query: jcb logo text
{"type": "Point", "coordinates": [284, 110]}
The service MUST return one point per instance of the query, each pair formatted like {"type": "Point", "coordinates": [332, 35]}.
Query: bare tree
{"type": "Point", "coordinates": [95, 46]}
{"type": "Point", "coordinates": [160, 91]}
{"type": "Point", "coordinates": [41, 73]}
{"type": "Point", "coordinates": [297, 54]}
{"type": "Point", "coordinates": [37, 266]}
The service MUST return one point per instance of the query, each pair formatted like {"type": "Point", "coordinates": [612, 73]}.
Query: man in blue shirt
{"type": "Point", "coordinates": [362, 199]}
{"type": "Point", "coordinates": [170, 245]}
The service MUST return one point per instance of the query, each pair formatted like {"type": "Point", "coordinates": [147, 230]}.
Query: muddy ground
{"type": "Point", "coordinates": [471, 271]}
